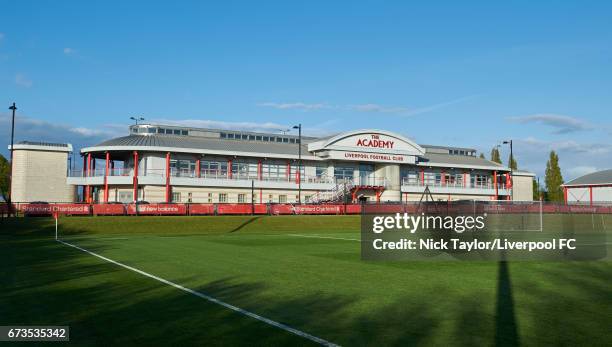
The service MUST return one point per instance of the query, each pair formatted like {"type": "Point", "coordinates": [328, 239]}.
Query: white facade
{"type": "Point", "coordinates": [207, 165]}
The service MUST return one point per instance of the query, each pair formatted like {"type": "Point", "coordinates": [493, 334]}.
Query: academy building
{"type": "Point", "coordinates": [163, 163]}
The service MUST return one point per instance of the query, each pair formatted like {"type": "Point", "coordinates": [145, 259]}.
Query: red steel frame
{"type": "Point", "coordinates": [168, 177]}
{"type": "Point", "coordinates": [106, 178]}
{"type": "Point", "coordinates": [135, 194]}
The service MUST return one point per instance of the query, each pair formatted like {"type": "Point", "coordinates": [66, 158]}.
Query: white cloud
{"type": "Point", "coordinates": [69, 51]}
{"type": "Point", "coordinates": [22, 81]}
{"type": "Point", "coordinates": [367, 107]}
{"type": "Point", "coordinates": [575, 158]}
{"type": "Point", "coordinates": [377, 108]}
{"type": "Point", "coordinates": [561, 123]}
{"type": "Point", "coordinates": [294, 106]}
{"type": "Point", "coordinates": [32, 129]}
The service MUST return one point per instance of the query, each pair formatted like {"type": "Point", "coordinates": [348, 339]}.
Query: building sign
{"type": "Point", "coordinates": [374, 141]}
{"type": "Point", "coordinates": [370, 157]}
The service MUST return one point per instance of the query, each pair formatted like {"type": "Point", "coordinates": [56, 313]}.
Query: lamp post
{"type": "Point", "coordinates": [136, 119]}
{"type": "Point", "coordinates": [509, 142]}
{"type": "Point", "coordinates": [10, 187]}
{"type": "Point", "coordinates": [299, 127]}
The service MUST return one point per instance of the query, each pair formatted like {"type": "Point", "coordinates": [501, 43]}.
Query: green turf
{"type": "Point", "coordinates": [316, 285]}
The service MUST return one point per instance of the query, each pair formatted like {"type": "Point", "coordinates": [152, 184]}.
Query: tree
{"type": "Point", "coordinates": [495, 157]}
{"type": "Point", "coordinates": [482, 156]}
{"type": "Point", "coordinates": [4, 177]}
{"type": "Point", "coordinates": [536, 190]}
{"type": "Point", "coordinates": [512, 162]}
{"type": "Point", "coordinates": [553, 178]}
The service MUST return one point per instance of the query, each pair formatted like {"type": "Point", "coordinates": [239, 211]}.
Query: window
{"type": "Point", "coordinates": [320, 171]}
{"type": "Point", "coordinates": [151, 130]}
{"type": "Point", "coordinates": [241, 198]}
{"type": "Point", "coordinates": [230, 136]}
{"type": "Point", "coordinates": [210, 198]}
{"type": "Point", "coordinates": [125, 197]}
{"type": "Point", "coordinates": [161, 131]}
{"type": "Point", "coordinates": [292, 140]}
{"type": "Point", "coordinates": [282, 199]}
{"type": "Point", "coordinates": [213, 169]}
{"type": "Point", "coordinates": [266, 138]}
{"type": "Point", "coordinates": [182, 167]}
{"type": "Point", "coordinates": [251, 137]}
{"type": "Point", "coordinates": [270, 197]}
{"type": "Point", "coordinates": [343, 173]}
{"type": "Point", "coordinates": [307, 197]}
{"type": "Point", "coordinates": [134, 130]}
{"type": "Point", "coordinates": [222, 197]}
{"type": "Point", "coordinates": [176, 197]}
{"type": "Point", "coordinates": [274, 172]}
{"type": "Point", "coordinates": [279, 139]}
{"type": "Point", "coordinates": [177, 132]}
{"type": "Point", "coordinates": [258, 138]}
{"type": "Point", "coordinates": [480, 180]}
{"type": "Point", "coordinates": [285, 140]}
{"type": "Point", "coordinates": [245, 137]}
{"type": "Point", "coordinates": [184, 132]}
{"type": "Point", "coordinates": [189, 197]}
{"type": "Point", "coordinates": [411, 177]}
{"type": "Point", "coordinates": [223, 135]}
{"type": "Point", "coordinates": [168, 131]}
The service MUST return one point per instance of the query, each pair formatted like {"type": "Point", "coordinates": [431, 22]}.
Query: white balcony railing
{"type": "Point", "coordinates": [408, 181]}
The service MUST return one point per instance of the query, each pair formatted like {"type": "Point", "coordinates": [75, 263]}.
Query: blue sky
{"type": "Point", "coordinates": [449, 73]}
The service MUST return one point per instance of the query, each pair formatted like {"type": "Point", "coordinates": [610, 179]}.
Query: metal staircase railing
{"type": "Point", "coordinates": [337, 193]}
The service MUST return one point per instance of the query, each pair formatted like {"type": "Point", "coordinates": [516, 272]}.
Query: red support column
{"type": "Point", "coordinates": [507, 175]}
{"type": "Point", "coordinates": [259, 170]}
{"type": "Point", "coordinates": [442, 178]}
{"type": "Point", "coordinates": [495, 185]}
{"type": "Point", "coordinates": [197, 171]}
{"type": "Point", "coordinates": [229, 168]}
{"type": "Point", "coordinates": [422, 176]}
{"type": "Point", "coordinates": [288, 173]}
{"type": "Point", "coordinates": [135, 195]}
{"type": "Point", "coordinates": [168, 177]}
{"type": "Point", "coordinates": [87, 173]}
{"type": "Point", "coordinates": [378, 192]}
{"type": "Point", "coordinates": [591, 195]}
{"type": "Point", "coordinates": [106, 178]}
{"type": "Point", "coordinates": [297, 176]}
{"type": "Point", "coordinates": [464, 179]}
{"type": "Point", "coordinates": [565, 195]}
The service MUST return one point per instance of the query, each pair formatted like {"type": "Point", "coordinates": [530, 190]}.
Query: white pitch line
{"type": "Point", "coordinates": [211, 299]}
{"type": "Point", "coordinates": [324, 237]}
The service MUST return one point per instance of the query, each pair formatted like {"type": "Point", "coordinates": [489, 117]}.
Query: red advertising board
{"type": "Point", "coordinates": [241, 209]}
{"type": "Point", "coordinates": [157, 209]}
{"type": "Point", "coordinates": [195, 209]}
{"type": "Point", "coordinates": [48, 209]}
{"type": "Point", "coordinates": [353, 209]}
{"type": "Point", "coordinates": [281, 209]}
{"type": "Point", "coordinates": [108, 209]}
{"type": "Point", "coordinates": [318, 209]}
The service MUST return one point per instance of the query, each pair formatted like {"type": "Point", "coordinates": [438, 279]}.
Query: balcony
{"type": "Point", "coordinates": [182, 177]}
{"type": "Point", "coordinates": [411, 185]}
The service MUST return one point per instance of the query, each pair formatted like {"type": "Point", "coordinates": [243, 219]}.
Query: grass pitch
{"type": "Point", "coordinates": [303, 271]}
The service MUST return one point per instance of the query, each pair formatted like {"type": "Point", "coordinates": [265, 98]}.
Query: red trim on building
{"type": "Point", "coordinates": [106, 178]}
{"type": "Point", "coordinates": [259, 170]}
{"type": "Point", "coordinates": [198, 168]}
{"type": "Point", "coordinates": [565, 195]}
{"type": "Point", "coordinates": [422, 176]}
{"type": "Point", "coordinates": [229, 168]}
{"type": "Point", "coordinates": [495, 184]}
{"type": "Point", "coordinates": [135, 196]}
{"type": "Point", "coordinates": [442, 178]}
{"type": "Point", "coordinates": [591, 196]}
{"type": "Point", "coordinates": [87, 173]}
{"type": "Point", "coordinates": [168, 177]}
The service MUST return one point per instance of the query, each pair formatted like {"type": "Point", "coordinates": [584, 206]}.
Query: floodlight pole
{"type": "Point", "coordinates": [299, 173]}
{"type": "Point", "coordinates": [10, 187]}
